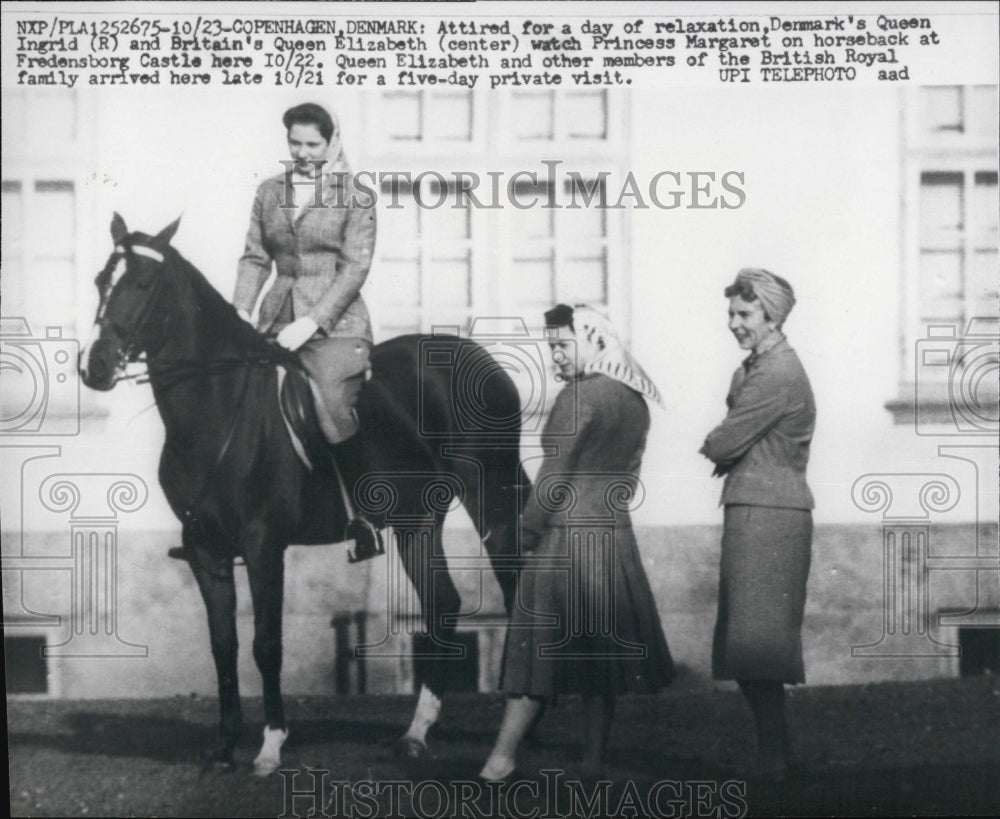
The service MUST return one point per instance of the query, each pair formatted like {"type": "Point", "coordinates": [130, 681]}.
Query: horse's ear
{"type": "Point", "coordinates": [119, 230]}
{"type": "Point", "coordinates": [168, 232]}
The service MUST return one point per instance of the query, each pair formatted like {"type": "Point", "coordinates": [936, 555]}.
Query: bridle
{"type": "Point", "coordinates": [176, 371]}
{"type": "Point", "coordinates": [127, 351]}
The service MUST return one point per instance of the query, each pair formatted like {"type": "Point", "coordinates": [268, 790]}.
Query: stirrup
{"type": "Point", "coordinates": [367, 540]}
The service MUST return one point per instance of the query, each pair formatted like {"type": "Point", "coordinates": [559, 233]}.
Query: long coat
{"type": "Point", "coordinates": [585, 619]}
{"type": "Point", "coordinates": [322, 256]}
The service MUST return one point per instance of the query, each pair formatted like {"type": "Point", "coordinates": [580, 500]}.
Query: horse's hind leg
{"type": "Point", "coordinates": [421, 552]}
{"type": "Point", "coordinates": [265, 571]}
{"type": "Point", "coordinates": [494, 509]}
{"type": "Point", "coordinates": [215, 580]}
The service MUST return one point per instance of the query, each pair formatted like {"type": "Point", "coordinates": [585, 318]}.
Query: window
{"type": "Point", "coordinates": [565, 117]}
{"type": "Point", "coordinates": [448, 253]}
{"type": "Point", "coordinates": [950, 237]}
{"type": "Point", "coordinates": [424, 276]}
{"type": "Point", "coordinates": [26, 664]}
{"type": "Point", "coordinates": [559, 253]}
{"type": "Point", "coordinates": [46, 143]}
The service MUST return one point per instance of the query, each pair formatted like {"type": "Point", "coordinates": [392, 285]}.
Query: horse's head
{"type": "Point", "coordinates": [131, 318]}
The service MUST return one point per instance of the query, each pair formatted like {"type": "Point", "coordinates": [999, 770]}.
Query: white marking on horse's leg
{"type": "Point", "coordinates": [428, 711]}
{"type": "Point", "coordinates": [269, 758]}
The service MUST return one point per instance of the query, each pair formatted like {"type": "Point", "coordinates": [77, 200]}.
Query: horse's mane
{"type": "Point", "coordinates": [215, 312]}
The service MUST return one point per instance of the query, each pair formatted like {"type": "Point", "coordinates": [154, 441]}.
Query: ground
{"type": "Point", "coordinates": [916, 748]}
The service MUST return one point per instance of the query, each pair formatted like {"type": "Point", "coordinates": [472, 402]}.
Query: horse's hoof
{"type": "Point", "coordinates": [220, 761]}
{"type": "Point", "coordinates": [408, 747]}
{"type": "Point", "coordinates": [269, 759]}
{"type": "Point", "coordinates": [265, 767]}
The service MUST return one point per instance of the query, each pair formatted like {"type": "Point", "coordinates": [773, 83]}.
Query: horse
{"type": "Point", "coordinates": [231, 473]}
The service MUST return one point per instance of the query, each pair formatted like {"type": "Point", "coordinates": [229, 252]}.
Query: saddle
{"type": "Point", "coordinates": [298, 411]}
{"type": "Point", "coordinates": [296, 398]}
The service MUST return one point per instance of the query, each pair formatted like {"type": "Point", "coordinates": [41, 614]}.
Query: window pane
{"type": "Point", "coordinates": [531, 280]}
{"type": "Point", "coordinates": [450, 116]}
{"type": "Point", "coordinates": [590, 221]}
{"type": "Point", "coordinates": [534, 114]}
{"type": "Point", "coordinates": [448, 281]}
{"type": "Point", "coordinates": [447, 221]}
{"type": "Point", "coordinates": [12, 256]}
{"type": "Point", "coordinates": [50, 297]}
{"type": "Point", "coordinates": [985, 116]}
{"type": "Point", "coordinates": [57, 201]}
{"type": "Point", "coordinates": [941, 284]}
{"type": "Point", "coordinates": [402, 115]}
{"type": "Point", "coordinates": [583, 279]}
{"type": "Point", "coordinates": [586, 115]}
{"type": "Point", "coordinates": [983, 282]}
{"type": "Point", "coordinates": [12, 222]}
{"type": "Point", "coordinates": [13, 121]}
{"type": "Point", "coordinates": [942, 108]}
{"type": "Point", "coordinates": [399, 218]}
{"type": "Point", "coordinates": [399, 281]}
{"type": "Point", "coordinates": [532, 220]}
{"type": "Point", "coordinates": [52, 117]}
{"type": "Point", "coordinates": [984, 201]}
{"type": "Point", "coordinates": [940, 201]}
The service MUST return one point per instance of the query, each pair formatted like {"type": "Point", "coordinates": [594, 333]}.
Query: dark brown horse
{"type": "Point", "coordinates": [232, 477]}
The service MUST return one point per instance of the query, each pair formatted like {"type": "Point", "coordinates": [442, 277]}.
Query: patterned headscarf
{"type": "Point", "coordinates": [600, 350]}
{"type": "Point", "coordinates": [336, 161]}
{"type": "Point", "coordinates": [776, 297]}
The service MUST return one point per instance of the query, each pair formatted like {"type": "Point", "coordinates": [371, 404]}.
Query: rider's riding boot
{"type": "Point", "coordinates": [349, 459]}
{"type": "Point", "coordinates": [179, 553]}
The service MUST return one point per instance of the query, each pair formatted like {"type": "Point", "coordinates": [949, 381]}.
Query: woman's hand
{"type": "Point", "coordinates": [297, 333]}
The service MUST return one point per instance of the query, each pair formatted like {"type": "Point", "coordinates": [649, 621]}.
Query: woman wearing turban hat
{"type": "Point", "coordinates": [762, 448]}
{"type": "Point", "coordinates": [585, 620]}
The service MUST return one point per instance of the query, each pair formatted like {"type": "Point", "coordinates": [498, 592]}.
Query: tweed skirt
{"type": "Point", "coordinates": [766, 553]}
{"type": "Point", "coordinates": [585, 620]}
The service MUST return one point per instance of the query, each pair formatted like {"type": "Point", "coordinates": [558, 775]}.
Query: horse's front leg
{"type": "Point", "coordinates": [265, 571]}
{"type": "Point", "coordinates": [215, 580]}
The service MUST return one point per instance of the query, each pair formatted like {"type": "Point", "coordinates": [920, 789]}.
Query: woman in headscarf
{"type": "Point", "coordinates": [585, 620]}
{"type": "Point", "coordinates": [762, 447]}
{"type": "Point", "coordinates": [311, 224]}
{"type": "Point", "coordinates": [317, 230]}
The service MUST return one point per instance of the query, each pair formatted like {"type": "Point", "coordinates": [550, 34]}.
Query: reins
{"type": "Point", "coordinates": [172, 372]}
{"type": "Point", "coordinates": [183, 369]}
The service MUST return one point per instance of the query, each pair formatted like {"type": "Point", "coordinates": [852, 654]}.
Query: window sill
{"type": "Point", "coordinates": [935, 406]}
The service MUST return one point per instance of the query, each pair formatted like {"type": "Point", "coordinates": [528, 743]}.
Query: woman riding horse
{"type": "Point", "coordinates": [232, 476]}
